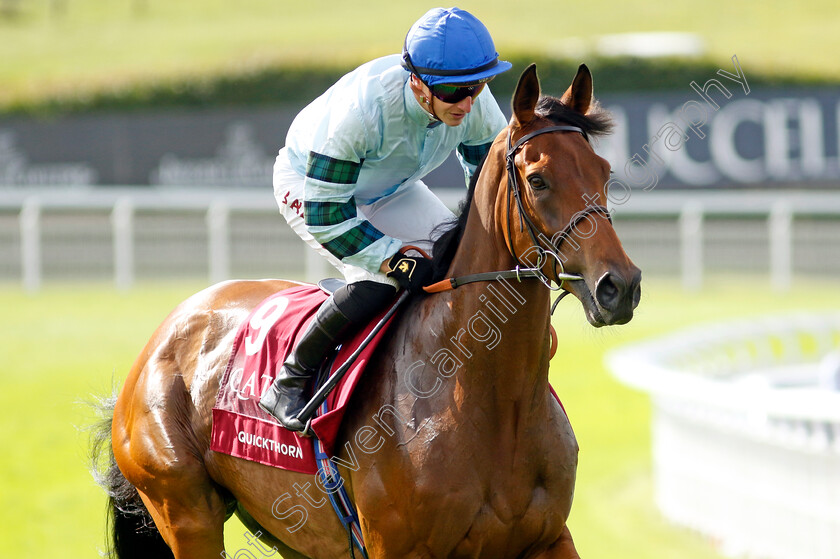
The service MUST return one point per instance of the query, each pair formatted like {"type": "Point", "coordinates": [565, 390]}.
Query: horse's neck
{"type": "Point", "coordinates": [497, 329]}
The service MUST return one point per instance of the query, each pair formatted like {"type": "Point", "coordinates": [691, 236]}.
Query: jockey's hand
{"type": "Point", "coordinates": [411, 272]}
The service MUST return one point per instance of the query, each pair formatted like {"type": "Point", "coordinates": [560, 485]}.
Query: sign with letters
{"type": "Point", "coordinates": [721, 134]}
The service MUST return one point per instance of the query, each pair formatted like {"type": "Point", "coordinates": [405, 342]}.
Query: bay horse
{"type": "Point", "coordinates": [453, 445]}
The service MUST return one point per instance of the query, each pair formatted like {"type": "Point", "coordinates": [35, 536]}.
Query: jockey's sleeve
{"type": "Point", "coordinates": [332, 217]}
{"type": "Point", "coordinates": [471, 156]}
{"type": "Point", "coordinates": [330, 208]}
{"type": "Point", "coordinates": [484, 126]}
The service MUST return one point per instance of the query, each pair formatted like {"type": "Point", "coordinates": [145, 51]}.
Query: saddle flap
{"type": "Point", "coordinates": [331, 285]}
{"type": "Point", "coordinates": [240, 427]}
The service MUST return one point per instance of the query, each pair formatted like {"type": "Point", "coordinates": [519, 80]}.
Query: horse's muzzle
{"type": "Point", "coordinates": [617, 295]}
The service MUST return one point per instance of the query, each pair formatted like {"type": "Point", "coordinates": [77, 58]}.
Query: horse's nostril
{"type": "Point", "coordinates": [608, 292]}
{"type": "Point", "coordinates": [636, 288]}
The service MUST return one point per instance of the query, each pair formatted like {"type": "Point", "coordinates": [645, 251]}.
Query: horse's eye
{"type": "Point", "coordinates": [537, 182]}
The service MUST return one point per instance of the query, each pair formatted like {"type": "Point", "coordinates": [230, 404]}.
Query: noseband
{"type": "Point", "coordinates": [541, 243]}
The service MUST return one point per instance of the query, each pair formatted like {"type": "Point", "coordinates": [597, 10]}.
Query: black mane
{"type": "Point", "coordinates": [596, 123]}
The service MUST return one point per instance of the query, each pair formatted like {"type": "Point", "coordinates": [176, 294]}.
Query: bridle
{"type": "Point", "coordinates": [540, 242]}
{"type": "Point", "coordinates": [517, 273]}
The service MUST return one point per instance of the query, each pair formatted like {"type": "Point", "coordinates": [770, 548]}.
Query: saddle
{"type": "Point", "coordinates": [264, 339]}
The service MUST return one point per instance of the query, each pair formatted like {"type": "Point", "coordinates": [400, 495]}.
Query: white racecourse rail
{"type": "Point", "coordinates": [123, 233]}
{"type": "Point", "coordinates": [746, 431]}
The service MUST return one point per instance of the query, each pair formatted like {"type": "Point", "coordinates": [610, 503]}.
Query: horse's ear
{"type": "Point", "coordinates": [579, 94]}
{"type": "Point", "coordinates": [526, 96]}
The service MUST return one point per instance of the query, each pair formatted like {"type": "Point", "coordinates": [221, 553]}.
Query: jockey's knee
{"type": "Point", "coordinates": [362, 300]}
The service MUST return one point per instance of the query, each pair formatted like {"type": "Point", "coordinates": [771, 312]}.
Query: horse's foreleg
{"type": "Point", "coordinates": [563, 548]}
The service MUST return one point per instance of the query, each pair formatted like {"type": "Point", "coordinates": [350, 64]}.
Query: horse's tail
{"type": "Point", "coordinates": [132, 532]}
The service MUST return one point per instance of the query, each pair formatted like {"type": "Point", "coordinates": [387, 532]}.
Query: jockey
{"type": "Point", "coordinates": [348, 180]}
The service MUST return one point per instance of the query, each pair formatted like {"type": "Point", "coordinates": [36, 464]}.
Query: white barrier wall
{"type": "Point", "coordinates": [134, 233]}
{"type": "Point", "coordinates": [746, 431]}
{"type": "Point", "coordinates": [128, 233]}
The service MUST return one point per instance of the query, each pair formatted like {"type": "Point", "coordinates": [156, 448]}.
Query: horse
{"type": "Point", "coordinates": [453, 445]}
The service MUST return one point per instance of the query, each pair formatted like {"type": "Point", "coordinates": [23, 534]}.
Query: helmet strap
{"type": "Point", "coordinates": [427, 100]}
{"type": "Point", "coordinates": [430, 109]}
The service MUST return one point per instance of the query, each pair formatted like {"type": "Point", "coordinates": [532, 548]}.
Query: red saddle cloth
{"type": "Point", "coordinates": [240, 427]}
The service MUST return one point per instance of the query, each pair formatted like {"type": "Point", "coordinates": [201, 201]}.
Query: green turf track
{"type": "Point", "coordinates": [62, 346]}
{"type": "Point", "coordinates": [54, 48]}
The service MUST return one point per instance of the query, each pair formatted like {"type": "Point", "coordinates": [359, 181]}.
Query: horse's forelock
{"type": "Point", "coordinates": [597, 122]}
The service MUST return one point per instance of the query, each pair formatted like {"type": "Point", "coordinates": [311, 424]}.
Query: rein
{"type": "Point", "coordinates": [519, 273]}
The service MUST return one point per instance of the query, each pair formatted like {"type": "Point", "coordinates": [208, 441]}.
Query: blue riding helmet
{"type": "Point", "coordinates": [451, 46]}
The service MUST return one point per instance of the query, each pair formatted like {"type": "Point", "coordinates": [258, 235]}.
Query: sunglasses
{"type": "Point", "coordinates": [454, 93]}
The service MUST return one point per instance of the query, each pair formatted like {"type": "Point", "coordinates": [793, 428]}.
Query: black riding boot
{"type": "Point", "coordinates": [288, 395]}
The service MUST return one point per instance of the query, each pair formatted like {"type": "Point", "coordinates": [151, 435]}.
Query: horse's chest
{"type": "Point", "coordinates": [513, 515]}
{"type": "Point", "coordinates": [505, 526]}
{"type": "Point", "coordinates": [501, 499]}
{"type": "Point", "coordinates": [471, 481]}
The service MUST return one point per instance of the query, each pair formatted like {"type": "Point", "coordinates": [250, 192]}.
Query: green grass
{"type": "Point", "coordinates": [58, 349]}
{"type": "Point", "coordinates": [613, 514]}
{"type": "Point", "coordinates": [70, 342]}
{"type": "Point", "coordinates": [87, 46]}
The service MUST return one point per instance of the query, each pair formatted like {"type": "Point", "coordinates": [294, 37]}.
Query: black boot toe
{"type": "Point", "coordinates": [284, 401]}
